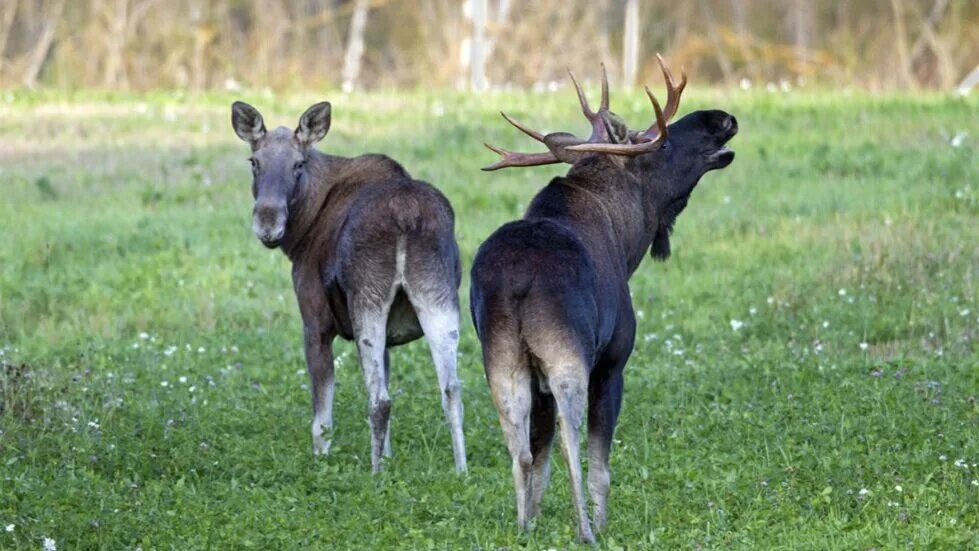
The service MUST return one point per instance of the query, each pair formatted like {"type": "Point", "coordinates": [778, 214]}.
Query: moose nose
{"type": "Point", "coordinates": [269, 222]}
{"type": "Point", "coordinates": [731, 124]}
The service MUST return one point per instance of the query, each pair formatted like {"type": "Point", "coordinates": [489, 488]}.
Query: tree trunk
{"type": "Point", "coordinates": [802, 32]}
{"type": "Point", "coordinates": [477, 63]}
{"type": "Point", "coordinates": [969, 82]}
{"type": "Point", "coordinates": [502, 13]}
{"type": "Point", "coordinates": [6, 20]}
{"type": "Point", "coordinates": [115, 41]}
{"type": "Point", "coordinates": [630, 46]}
{"type": "Point", "coordinates": [906, 79]}
{"type": "Point", "coordinates": [35, 60]}
{"type": "Point", "coordinates": [740, 21]}
{"type": "Point", "coordinates": [355, 45]}
{"type": "Point", "coordinates": [723, 61]}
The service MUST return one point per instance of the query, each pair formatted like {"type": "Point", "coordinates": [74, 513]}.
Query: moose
{"type": "Point", "coordinates": [550, 296]}
{"type": "Point", "coordinates": [374, 260]}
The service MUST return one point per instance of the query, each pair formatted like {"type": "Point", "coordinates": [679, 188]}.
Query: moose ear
{"type": "Point", "coordinates": [314, 124]}
{"type": "Point", "coordinates": [660, 249]}
{"type": "Point", "coordinates": [247, 122]}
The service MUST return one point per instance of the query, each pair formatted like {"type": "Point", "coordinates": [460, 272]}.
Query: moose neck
{"type": "Point", "coordinates": [607, 207]}
{"type": "Point", "coordinates": [306, 210]}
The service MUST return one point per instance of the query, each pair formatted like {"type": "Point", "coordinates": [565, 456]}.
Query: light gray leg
{"type": "Point", "coordinates": [599, 478]}
{"type": "Point", "coordinates": [370, 331]}
{"type": "Point", "coordinates": [441, 327]}
{"type": "Point", "coordinates": [387, 378]}
{"type": "Point", "coordinates": [319, 363]}
{"type": "Point", "coordinates": [510, 387]}
{"type": "Point", "coordinates": [570, 393]}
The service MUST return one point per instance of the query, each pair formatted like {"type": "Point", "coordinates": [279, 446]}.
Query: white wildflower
{"type": "Point", "coordinates": [182, 379]}
{"type": "Point", "coordinates": [898, 488]}
{"type": "Point", "coordinates": [736, 325]}
{"type": "Point", "coordinates": [864, 346]}
{"type": "Point", "coordinates": [10, 528]}
{"type": "Point", "coordinates": [168, 351]}
{"type": "Point", "coordinates": [841, 292]}
{"type": "Point", "coordinates": [770, 300]}
{"type": "Point", "coordinates": [863, 492]}
{"type": "Point", "coordinates": [201, 350]}
{"type": "Point", "coordinates": [94, 424]}
{"type": "Point", "coordinates": [825, 324]}
{"type": "Point", "coordinates": [943, 457]}
{"type": "Point", "coordinates": [164, 383]}
{"type": "Point", "coordinates": [960, 463]}
{"type": "Point", "coordinates": [144, 335]}
{"type": "Point", "coordinates": [958, 139]}
{"type": "Point", "coordinates": [752, 310]}
{"type": "Point", "coordinates": [50, 544]}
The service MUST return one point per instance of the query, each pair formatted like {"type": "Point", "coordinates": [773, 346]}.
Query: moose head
{"type": "Point", "coordinates": [669, 159]}
{"type": "Point", "coordinates": [278, 165]}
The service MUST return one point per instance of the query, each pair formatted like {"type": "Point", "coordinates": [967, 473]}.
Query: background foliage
{"type": "Point", "coordinates": [283, 44]}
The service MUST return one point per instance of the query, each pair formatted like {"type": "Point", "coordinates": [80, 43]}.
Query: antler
{"type": "Point", "coordinates": [600, 131]}
{"type": "Point", "coordinates": [672, 98]}
{"type": "Point", "coordinates": [652, 138]}
{"type": "Point", "coordinates": [512, 158]}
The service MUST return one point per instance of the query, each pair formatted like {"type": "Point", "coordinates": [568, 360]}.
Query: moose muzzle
{"type": "Point", "coordinates": [269, 222]}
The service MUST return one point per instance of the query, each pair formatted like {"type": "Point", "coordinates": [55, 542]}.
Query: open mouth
{"type": "Point", "coordinates": [722, 157]}
{"type": "Point", "coordinates": [271, 243]}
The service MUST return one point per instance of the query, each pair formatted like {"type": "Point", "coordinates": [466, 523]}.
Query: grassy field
{"type": "Point", "coordinates": [805, 374]}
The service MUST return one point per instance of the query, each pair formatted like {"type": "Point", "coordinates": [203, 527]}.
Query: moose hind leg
{"type": "Point", "coordinates": [543, 422]}
{"type": "Point", "coordinates": [510, 388]}
{"type": "Point", "coordinates": [569, 384]}
{"type": "Point", "coordinates": [441, 328]}
{"type": "Point", "coordinates": [604, 402]}
{"type": "Point", "coordinates": [370, 328]}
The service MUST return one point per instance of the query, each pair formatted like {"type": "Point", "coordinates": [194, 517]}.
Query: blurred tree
{"type": "Point", "coordinates": [309, 43]}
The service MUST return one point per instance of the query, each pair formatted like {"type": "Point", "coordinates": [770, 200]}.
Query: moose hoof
{"type": "Point", "coordinates": [321, 446]}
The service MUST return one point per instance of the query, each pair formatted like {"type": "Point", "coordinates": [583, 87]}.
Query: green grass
{"type": "Point", "coordinates": [844, 220]}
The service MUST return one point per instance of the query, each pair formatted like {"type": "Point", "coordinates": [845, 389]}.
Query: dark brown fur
{"type": "Point", "coordinates": [374, 260]}
{"type": "Point", "coordinates": [551, 304]}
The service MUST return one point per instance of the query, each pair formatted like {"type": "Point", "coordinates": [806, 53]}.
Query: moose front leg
{"type": "Point", "coordinates": [319, 363]}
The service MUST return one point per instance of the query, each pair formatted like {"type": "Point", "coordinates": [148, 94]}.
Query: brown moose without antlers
{"type": "Point", "coordinates": [550, 296]}
{"type": "Point", "coordinates": [374, 260]}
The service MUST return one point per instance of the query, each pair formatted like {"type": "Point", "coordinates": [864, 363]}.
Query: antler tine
{"type": "Point", "coordinates": [672, 90]}
{"type": "Point", "coordinates": [513, 159]}
{"type": "Point", "coordinates": [604, 105]}
{"type": "Point", "coordinates": [632, 149]}
{"type": "Point", "coordinates": [661, 118]}
{"type": "Point", "coordinates": [589, 114]}
{"type": "Point", "coordinates": [526, 130]}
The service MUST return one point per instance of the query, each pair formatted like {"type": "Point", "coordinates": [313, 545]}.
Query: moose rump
{"type": "Point", "coordinates": [533, 304]}
{"type": "Point", "coordinates": [395, 259]}
{"type": "Point", "coordinates": [396, 274]}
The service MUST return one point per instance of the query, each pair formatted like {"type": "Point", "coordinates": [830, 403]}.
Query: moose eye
{"type": "Point", "coordinates": [254, 162]}
{"type": "Point", "coordinates": [299, 166]}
